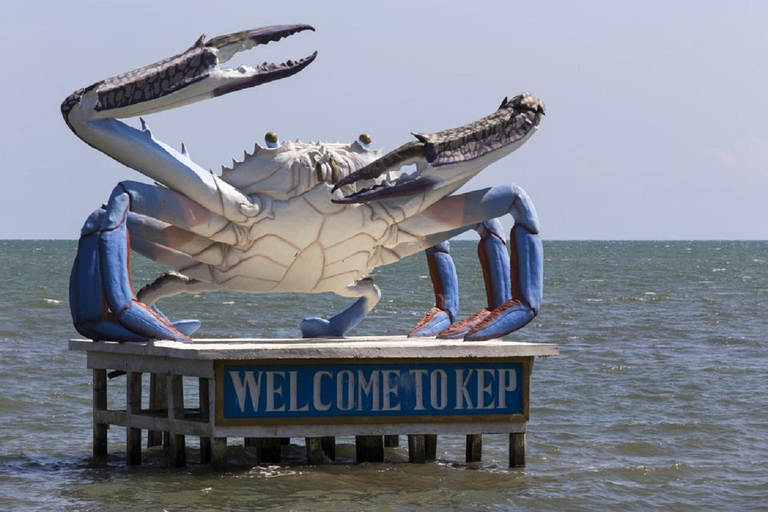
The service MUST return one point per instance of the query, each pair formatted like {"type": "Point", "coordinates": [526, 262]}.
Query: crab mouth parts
{"type": "Point", "coordinates": [495, 135]}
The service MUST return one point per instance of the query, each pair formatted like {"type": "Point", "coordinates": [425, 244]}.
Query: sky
{"type": "Point", "coordinates": [656, 126]}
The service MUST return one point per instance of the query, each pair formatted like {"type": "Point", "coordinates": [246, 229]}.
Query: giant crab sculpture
{"type": "Point", "coordinates": [293, 217]}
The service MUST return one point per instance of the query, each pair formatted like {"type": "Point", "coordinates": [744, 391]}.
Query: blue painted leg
{"type": "Point", "coordinates": [339, 324]}
{"type": "Point", "coordinates": [527, 267]}
{"type": "Point", "coordinates": [513, 301]}
{"type": "Point", "coordinates": [102, 301]}
{"type": "Point", "coordinates": [90, 314]}
{"type": "Point", "coordinates": [494, 260]}
{"type": "Point", "coordinates": [442, 271]}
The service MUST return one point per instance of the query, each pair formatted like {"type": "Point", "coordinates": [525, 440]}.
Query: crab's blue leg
{"type": "Point", "coordinates": [114, 257]}
{"type": "Point", "coordinates": [338, 325]}
{"type": "Point", "coordinates": [102, 301]}
{"type": "Point", "coordinates": [454, 214]}
{"type": "Point", "coordinates": [445, 283]}
{"type": "Point", "coordinates": [494, 261]}
{"type": "Point", "coordinates": [527, 262]}
{"type": "Point", "coordinates": [90, 314]}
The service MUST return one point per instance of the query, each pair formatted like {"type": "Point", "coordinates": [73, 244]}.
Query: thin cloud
{"type": "Point", "coordinates": [748, 153]}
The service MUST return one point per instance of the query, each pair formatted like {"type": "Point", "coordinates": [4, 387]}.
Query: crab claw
{"type": "Point", "coordinates": [102, 301]}
{"type": "Point", "coordinates": [188, 77]}
{"type": "Point", "coordinates": [447, 157]}
{"type": "Point", "coordinates": [93, 113]}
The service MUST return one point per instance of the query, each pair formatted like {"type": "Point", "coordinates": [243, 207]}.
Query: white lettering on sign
{"type": "Point", "coordinates": [418, 376]}
{"type": "Point", "coordinates": [293, 406]}
{"type": "Point", "coordinates": [253, 387]}
{"type": "Point", "coordinates": [483, 390]}
{"type": "Point", "coordinates": [370, 388]}
{"type": "Point", "coordinates": [440, 385]}
{"type": "Point", "coordinates": [511, 385]}
{"type": "Point", "coordinates": [350, 394]}
{"type": "Point", "coordinates": [391, 387]}
{"type": "Point", "coordinates": [409, 390]}
{"type": "Point", "coordinates": [317, 384]}
{"type": "Point", "coordinates": [274, 391]}
{"type": "Point", "coordinates": [463, 400]}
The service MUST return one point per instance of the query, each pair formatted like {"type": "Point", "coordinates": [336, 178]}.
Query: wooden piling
{"type": "Point", "coordinates": [369, 448]}
{"type": "Point", "coordinates": [474, 451]}
{"type": "Point", "coordinates": [417, 452]}
{"type": "Point", "coordinates": [133, 406]}
{"type": "Point", "coordinates": [175, 394]}
{"type": "Point", "coordinates": [219, 452]}
{"type": "Point", "coordinates": [99, 404]}
{"type": "Point", "coordinates": [329, 446]}
{"type": "Point", "coordinates": [517, 450]}
{"type": "Point", "coordinates": [430, 447]}
{"type": "Point", "coordinates": [391, 441]}
{"type": "Point", "coordinates": [157, 402]}
{"type": "Point", "coordinates": [205, 415]}
{"type": "Point", "coordinates": [270, 450]}
{"type": "Point", "coordinates": [315, 454]}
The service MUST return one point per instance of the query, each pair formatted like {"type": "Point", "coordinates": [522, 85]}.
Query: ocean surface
{"type": "Point", "coordinates": [658, 400]}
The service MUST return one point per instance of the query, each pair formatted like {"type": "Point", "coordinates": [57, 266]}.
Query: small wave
{"type": "Point", "coordinates": [43, 303]}
{"type": "Point", "coordinates": [732, 340]}
{"type": "Point", "coordinates": [271, 472]}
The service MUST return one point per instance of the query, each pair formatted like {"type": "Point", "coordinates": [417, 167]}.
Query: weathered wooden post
{"type": "Point", "coordinates": [205, 415]}
{"type": "Point", "coordinates": [219, 452]}
{"type": "Point", "coordinates": [315, 454]}
{"type": "Point", "coordinates": [157, 403]}
{"type": "Point", "coordinates": [270, 450]}
{"type": "Point", "coordinates": [517, 450]}
{"type": "Point", "coordinates": [133, 406]}
{"type": "Point", "coordinates": [474, 448]}
{"type": "Point", "coordinates": [391, 441]}
{"type": "Point", "coordinates": [430, 447]}
{"type": "Point", "coordinates": [417, 451]}
{"type": "Point", "coordinates": [99, 405]}
{"type": "Point", "coordinates": [175, 388]}
{"type": "Point", "coordinates": [369, 448]}
{"type": "Point", "coordinates": [329, 446]}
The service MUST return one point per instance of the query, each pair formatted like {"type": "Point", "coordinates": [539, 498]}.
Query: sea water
{"type": "Point", "coordinates": [657, 400]}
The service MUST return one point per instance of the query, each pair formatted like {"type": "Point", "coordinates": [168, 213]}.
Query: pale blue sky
{"type": "Point", "coordinates": [656, 127]}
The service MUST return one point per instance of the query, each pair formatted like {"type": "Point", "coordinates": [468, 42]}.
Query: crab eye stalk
{"type": "Point", "coordinates": [271, 139]}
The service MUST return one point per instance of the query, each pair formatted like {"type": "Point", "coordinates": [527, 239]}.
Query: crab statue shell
{"type": "Point", "coordinates": [293, 217]}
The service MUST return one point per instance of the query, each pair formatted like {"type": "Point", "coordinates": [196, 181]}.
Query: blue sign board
{"type": "Point", "coordinates": [345, 391]}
